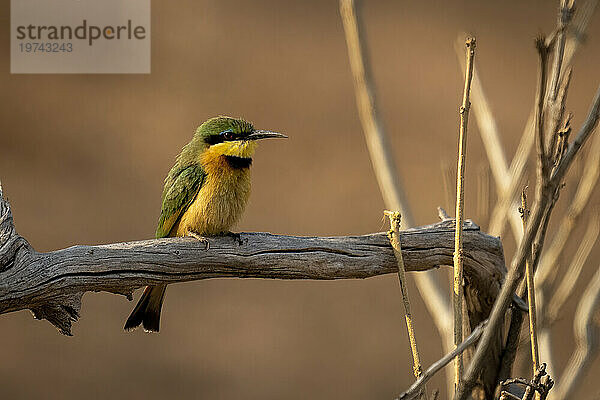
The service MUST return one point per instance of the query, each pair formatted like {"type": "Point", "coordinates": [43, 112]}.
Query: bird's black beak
{"type": "Point", "coordinates": [260, 134]}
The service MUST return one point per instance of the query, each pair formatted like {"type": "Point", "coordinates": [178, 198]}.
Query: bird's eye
{"type": "Point", "coordinates": [228, 135]}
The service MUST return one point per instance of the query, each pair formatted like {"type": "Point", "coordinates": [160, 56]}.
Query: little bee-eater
{"type": "Point", "coordinates": [204, 195]}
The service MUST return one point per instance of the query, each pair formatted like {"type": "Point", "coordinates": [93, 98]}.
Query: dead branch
{"type": "Point", "coordinates": [549, 180]}
{"type": "Point", "coordinates": [578, 25]}
{"type": "Point", "coordinates": [556, 109]}
{"type": "Point", "coordinates": [51, 284]}
{"type": "Point", "coordinates": [535, 231]}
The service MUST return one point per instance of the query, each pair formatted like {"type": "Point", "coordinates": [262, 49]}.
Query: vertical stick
{"type": "Point", "coordinates": [460, 194]}
{"type": "Point", "coordinates": [394, 236]}
{"type": "Point", "coordinates": [535, 358]}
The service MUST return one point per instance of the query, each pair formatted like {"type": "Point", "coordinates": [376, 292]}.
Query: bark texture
{"type": "Point", "coordinates": [51, 284]}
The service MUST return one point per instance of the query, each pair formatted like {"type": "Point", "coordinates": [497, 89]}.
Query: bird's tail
{"type": "Point", "coordinates": [147, 310]}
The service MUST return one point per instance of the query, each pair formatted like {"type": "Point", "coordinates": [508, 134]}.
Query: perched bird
{"type": "Point", "coordinates": [204, 195]}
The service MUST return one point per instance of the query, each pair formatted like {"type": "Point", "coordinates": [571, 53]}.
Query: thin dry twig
{"type": "Point", "coordinates": [564, 18]}
{"type": "Point", "coordinates": [543, 167]}
{"type": "Point", "coordinates": [394, 236]}
{"type": "Point", "coordinates": [490, 136]}
{"type": "Point", "coordinates": [443, 214]}
{"type": "Point", "coordinates": [416, 387]}
{"type": "Point", "coordinates": [524, 210]}
{"type": "Point", "coordinates": [554, 105]}
{"type": "Point", "coordinates": [460, 198]}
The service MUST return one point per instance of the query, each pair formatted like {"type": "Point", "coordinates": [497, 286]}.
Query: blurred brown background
{"type": "Point", "coordinates": [83, 157]}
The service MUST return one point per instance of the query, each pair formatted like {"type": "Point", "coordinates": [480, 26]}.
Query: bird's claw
{"type": "Point", "coordinates": [236, 236]}
{"type": "Point", "coordinates": [200, 238]}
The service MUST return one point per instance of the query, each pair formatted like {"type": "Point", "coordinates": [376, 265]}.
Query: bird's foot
{"type": "Point", "coordinates": [236, 236]}
{"type": "Point", "coordinates": [199, 238]}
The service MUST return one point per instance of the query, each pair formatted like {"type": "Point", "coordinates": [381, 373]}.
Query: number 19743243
{"type": "Point", "coordinates": [45, 47]}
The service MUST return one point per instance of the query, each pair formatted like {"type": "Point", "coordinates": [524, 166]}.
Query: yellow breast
{"type": "Point", "coordinates": [221, 200]}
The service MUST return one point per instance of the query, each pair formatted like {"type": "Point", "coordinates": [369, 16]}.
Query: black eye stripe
{"type": "Point", "coordinates": [227, 135]}
{"type": "Point", "coordinates": [214, 139]}
{"type": "Point", "coordinates": [220, 137]}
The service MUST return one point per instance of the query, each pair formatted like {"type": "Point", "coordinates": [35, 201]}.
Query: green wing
{"type": "Point", "coordinates": [181, 187]}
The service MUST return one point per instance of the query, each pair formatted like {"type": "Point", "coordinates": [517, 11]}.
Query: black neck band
{"type": "Point", "coordinates": [238, 162]}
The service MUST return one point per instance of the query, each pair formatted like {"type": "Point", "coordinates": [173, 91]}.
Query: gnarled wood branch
{"type": "Point", "coordinates": [52, 284]}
